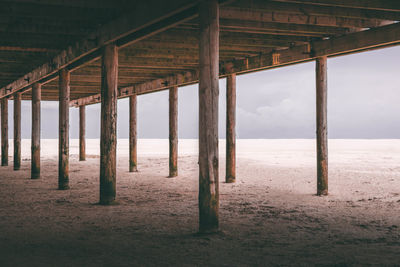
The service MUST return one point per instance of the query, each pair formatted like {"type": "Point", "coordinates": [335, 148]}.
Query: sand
{"type": "Point", "coordinates": [270, 216]}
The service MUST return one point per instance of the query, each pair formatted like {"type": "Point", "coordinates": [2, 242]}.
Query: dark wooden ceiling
{"type": "Point", "coordinates": [32, 31]}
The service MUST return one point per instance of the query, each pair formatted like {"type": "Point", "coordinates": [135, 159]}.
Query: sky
{"type": "Point", "coordinates": [363, 102]}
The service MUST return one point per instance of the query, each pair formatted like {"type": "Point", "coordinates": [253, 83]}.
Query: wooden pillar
{"type": "Point", "coordinates": [230, 175]}
{"type": "Point", "coordinates": [63, 129]}
{"type": "Point", "coordinates": [35, 143]}
{"type": "Point", "coordinates": [17, 131]}
{"type": "Point", "coordinates": [4, 132]}
{"type": "Point", "coordinates": [108, 138]}
{"type": "Point", "coordinates": [173, 131]}
{"type": "Point", "coordinates": [82, 133]}
{"type": "Point", "coordinates": [322, 133]}
{"type": "Point", "coordinates": [132, 134]}
{"type": "Point", "coordinates": [208, 116]}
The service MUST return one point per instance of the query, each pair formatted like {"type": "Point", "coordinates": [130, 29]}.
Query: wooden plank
{"type": "Point", "coordinates": [304, 7]}
{"type": "Point", "coordinates": [108, 137]}
{"type": "Point", "coordinates": [359, 41]}
{"type": "Point", "coordinates": [283, 17]}
{"type": "Point", "coordinates": [185, 78]}
{"type": "Point", "coordinates": [230, 175]}
{"type": "Point", "coordinates": [17, 131]}
{"type": "Point", "coordinates": [93, 4]}
{"type": "Point", "coordinates": [260, 26]}
{"type": "Point", "coordinates": [35, 143]}
{"type": "Point", "coordinates": [173, 131]}
{"type": "Point", "coordinates": [63, 132]}
{"type": "Point", "coordinates": [133, 133]}
{"type": "Point", "coordinates": [389, 5]}
{"type": "Point", "coordinates": [208, 116]}
{"type": "Point", "coordinates": [350, 43]}
{"type": "Point", "coordinates": [4, 132]}
{"type": "Point", "coordinates": [27, 49]}
{"type": "Point", "coordinates": [82, 133]}
{"type": "Point", "coordinates": [322, 132]}
{"type": "Point", "coordinates": [146, 19]}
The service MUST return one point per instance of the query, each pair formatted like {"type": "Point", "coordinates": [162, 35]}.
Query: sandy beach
{"type": "Point", "coordinates": [269, 217]}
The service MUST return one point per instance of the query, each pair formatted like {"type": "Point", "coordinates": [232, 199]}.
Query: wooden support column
{"type": "Point", "coordinates": [108, 138]}
{"type": "Point", "coordinates": [4, 132]}
{"type": "Point", "coordinates": [173, 131]}
{"type": "Point", "coordinates": [35, 143]}
{"type": "Point", "coordinates": [322, 133]}
{"type": "Point", "coordinates": [132, 134]}
{"type": "Point", "coordinates": [82, 133]}
{"type": "Point", "coordinates": [63, 130]}
{"type": "Point", "coordinates": [17, 131]}
{"type": "Point", "coordinates": [230, 175]}
{"type": "Point", "coordinates": [208, 116]}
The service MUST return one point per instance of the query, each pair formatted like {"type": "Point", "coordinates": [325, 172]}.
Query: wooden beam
{"type": "Point", "coordinates": [260, 26]}
{"type": "Point", "coordinates": [108, 137]}
{"type": "Point", "coordinates": [17, 131]}
{"type": "Point", "coordinates": [35, 143]}
{"type": "Point", "coordinates": [173, 131]}
{"type": "Point", "coordinates": [92, 4]}
{"type": "Point", "coordinates": [185, 78]}
{"type": "Point", "coordinates": [391, 5]}
{"type": "Point", "coordinates": [133, 133]}
{"type": "Point", "coordinates": [146, 19]}
{"type": "Point", "coordinates": [27, 49]}
{"type": "Point", "coordinates": [322, 132]}
{"type": "Point", "coordinates": [283, 17]}
{"type": "Point", "coordinates": [82, 133]}
{"type": "Point", "coordinates": [63, 132]}
{"type": "Point", "coordinates": [305, 7]}
{"type": "Point", "coordinates": [355, 42]}
{"type": "Point", "coordinates": [359, 41]}
{"type": "Point", "coordinates": [208, 116]}
{"type": "Point", "coordinates": [4, 132]}
{"type": "Point", "coordinates": [230, 175]}
{"type": "Point", "coordinates": [275, 27]}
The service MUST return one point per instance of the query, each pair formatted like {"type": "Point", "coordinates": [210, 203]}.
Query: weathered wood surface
{"type": "Point", "coordinates": [330, 8]}
{"type": "Point", "coordinates": [4, 132]}
{"type": "Point", "coordinates": [63, 132]}
{"type": "Point", "coordinates": [82, 133]}
{"type": "Point", "coordinates": [173, 131]}
{"type": "Point", "coordinates": [147, 18]}
{"type": "Point", "coordinates": [132, 133]}
{"type": "Point", "coordinates": [230, 176]}
{"type": "Point", "coordinates": [17, 131]}
{"type": "Point", "coordinates": [208, 116]}
{"type": "Point", "coordinates": [35, 145]}
{"type": "Point", "coordinates": [274, 16]}
{"type": "Point", "coordinates": [108, 137]}
{"type": "Point", "coordinates": [370, 4]}
{"type": "Point", "coordinates": [358, 41]}
{"type": "Point", "coordinates": [322, 131]}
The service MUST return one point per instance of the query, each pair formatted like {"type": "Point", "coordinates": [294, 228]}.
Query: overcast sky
{"type": "Point", "coordinates": [363, 102]}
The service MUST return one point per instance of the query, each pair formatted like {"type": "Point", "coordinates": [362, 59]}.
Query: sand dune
{"type": "Point", "coordinates": [270, 216]}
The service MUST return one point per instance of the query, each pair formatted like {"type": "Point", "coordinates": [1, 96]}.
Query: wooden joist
{"type": "Point", "coordinates": [359, 41]}
{"type": "Point", "coordinates": [388, 5]}
{"type": "Point", "coordinates": [147, 18]}
{"type": "Point", "coordinates": [317, 9]}
{"type": "Point", "coordinates": [284, 17]}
